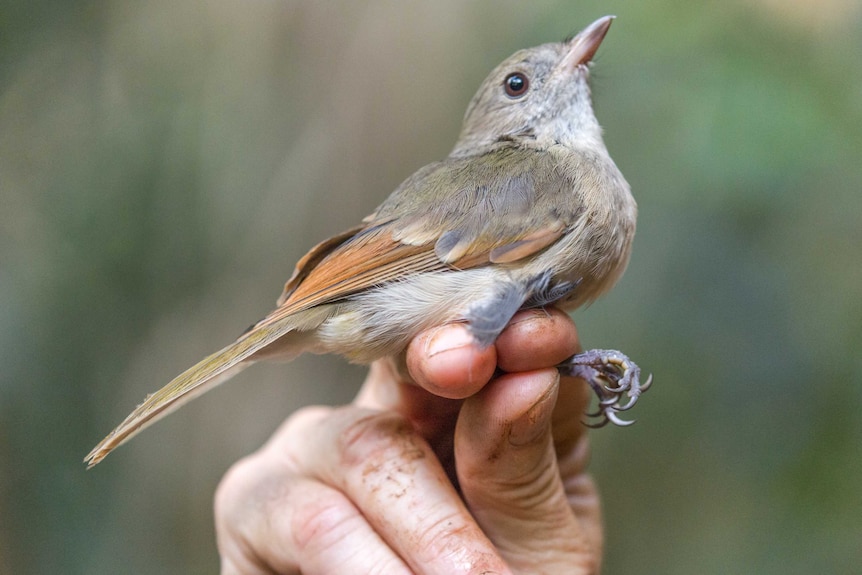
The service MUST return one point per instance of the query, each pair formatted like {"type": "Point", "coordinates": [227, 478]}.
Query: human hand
{"type": "Point", "coordinates": [463, 473]}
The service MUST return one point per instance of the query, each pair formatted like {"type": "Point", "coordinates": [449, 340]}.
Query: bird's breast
{"type": "Point", "coordinates": [595, 250]}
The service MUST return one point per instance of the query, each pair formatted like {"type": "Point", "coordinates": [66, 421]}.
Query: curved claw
{"type": "Point", "coordinates": [645, 385]}
{"type": "Point", "coordinates": [617, 421]}
{"type": "Point", "coordinates": [598, 425]}
{"type": "Point", "coordinates": [608, 401]}
{"type": "Point", "coordinates": [630, 403]}
{"type": "Point", "coordinates": [599, 412]}
{"type": "Point", "coordinates": [611, 374]}
{"type": "Point", "coordinates": [623, 384]}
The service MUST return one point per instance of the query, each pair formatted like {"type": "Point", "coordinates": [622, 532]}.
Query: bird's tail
{"type": "Point", "coordinates": [196, 380]}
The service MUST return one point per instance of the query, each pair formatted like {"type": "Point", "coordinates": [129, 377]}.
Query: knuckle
{"type": "Point", "coordinates": [450, 540]}
{"type": "Point", "coordinates": [323, 522]}
{"type": "Point", "coordinates": [231, 486]}
{"type": "Point", "coordinates": [250, 489]}
{"type": "Point", "coordinates": [297, 427]}
{"type": "Point", "coordinates": [438, 537]}
{"type": "Point", "coordinates": [377, 437]}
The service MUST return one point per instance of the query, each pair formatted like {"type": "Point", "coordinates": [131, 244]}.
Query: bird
{"type": "Point", "coordinates": [528, 210]}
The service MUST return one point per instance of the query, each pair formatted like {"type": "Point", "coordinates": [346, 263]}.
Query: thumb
{"type": "Point", "coordinates": [509, 477]}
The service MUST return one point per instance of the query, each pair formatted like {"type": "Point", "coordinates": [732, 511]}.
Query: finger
{"type": "Point", "coordinates": [440, 374]}
{"type": "Point", "coordinates": [269, 520]}
{"type": "Point", "coordinates": [541, 338]}
{"type": "Point", "coordinates": [433, 417]}
{"type": "Point", "coordinates": [509, 477]}
{"type": "Point", "coordinates": [391, 475]}
{"type": "Point", "coordinates": [310, 529]}
{"type": "Point", "coordinates": [535, 339]}
{"type": "Point", "coordinates": [448, 362]}
{"type": "Point", "coordinates": [571, 444]}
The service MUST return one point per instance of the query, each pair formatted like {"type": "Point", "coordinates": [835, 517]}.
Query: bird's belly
{"type": "Point", "coordinates": [383, 320]}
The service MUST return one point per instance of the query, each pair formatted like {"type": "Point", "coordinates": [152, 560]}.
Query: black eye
{"type": "Point", "coordinates": [516, 84]}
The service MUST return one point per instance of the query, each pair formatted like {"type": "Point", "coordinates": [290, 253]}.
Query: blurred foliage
{"type": "Point", "coordinates": [163, 165]}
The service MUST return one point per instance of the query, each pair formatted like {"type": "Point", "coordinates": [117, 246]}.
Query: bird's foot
{"type": "Point", "coordinates": [613, 376]}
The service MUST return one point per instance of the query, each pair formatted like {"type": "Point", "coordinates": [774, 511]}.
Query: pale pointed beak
{"type": "Point", "coordinates": [583, 47]}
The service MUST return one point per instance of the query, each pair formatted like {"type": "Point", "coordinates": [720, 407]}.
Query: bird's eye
{"type": "Point", "coordinates": [516, 84]}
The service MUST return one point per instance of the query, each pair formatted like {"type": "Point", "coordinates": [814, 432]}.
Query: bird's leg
{"type": "Point", "coordinates": [612, 376]}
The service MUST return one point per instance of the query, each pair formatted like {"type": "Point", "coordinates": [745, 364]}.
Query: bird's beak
{"type": "Point", "coordinates": [583, 47]}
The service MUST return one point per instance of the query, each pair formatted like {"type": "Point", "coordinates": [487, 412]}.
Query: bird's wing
{"type": "Point", "coordinates": [498, 207]}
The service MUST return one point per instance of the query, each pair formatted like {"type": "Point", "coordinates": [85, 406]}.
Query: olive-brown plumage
{"type": "Point", "coordinates": [527, 210]}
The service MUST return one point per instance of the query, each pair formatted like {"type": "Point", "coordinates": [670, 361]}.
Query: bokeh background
{"type": "Point", "coordinates": [164, 164]}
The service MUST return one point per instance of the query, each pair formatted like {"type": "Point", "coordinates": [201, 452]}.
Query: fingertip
{"type": "Point", "coordinates": [516, 409]}
{"type": "Point", "coordinates": [533, 423]}
{"type": "Point", "coordinates": [448, 362]}
{"type": "Point", "coordinates": [535, 339]}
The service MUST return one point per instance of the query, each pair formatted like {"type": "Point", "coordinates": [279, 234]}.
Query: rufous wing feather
{"type": "Point", "coordinates": [312, 258]}
{"type": "Point", "coordinates": [370, 258]}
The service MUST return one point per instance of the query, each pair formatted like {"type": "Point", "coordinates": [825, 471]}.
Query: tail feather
{"type": "Point", "coordinates": [196, 380]}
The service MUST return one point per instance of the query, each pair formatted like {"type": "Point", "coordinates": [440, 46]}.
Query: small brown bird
{"type": "Point", "coordinates": [528, 210]}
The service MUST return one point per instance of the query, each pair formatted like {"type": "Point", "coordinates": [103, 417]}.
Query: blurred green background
{"type": "Point", "coordinates": [164, 164]}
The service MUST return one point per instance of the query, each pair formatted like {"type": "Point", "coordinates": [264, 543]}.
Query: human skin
{"type": "Point", "coordinates": [453, 459]}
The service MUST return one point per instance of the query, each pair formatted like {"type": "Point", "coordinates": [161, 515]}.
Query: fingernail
{"type": "Point", "coordinates": [535, 421]}
{"type": "Point", "coordinates": [447, 338]}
